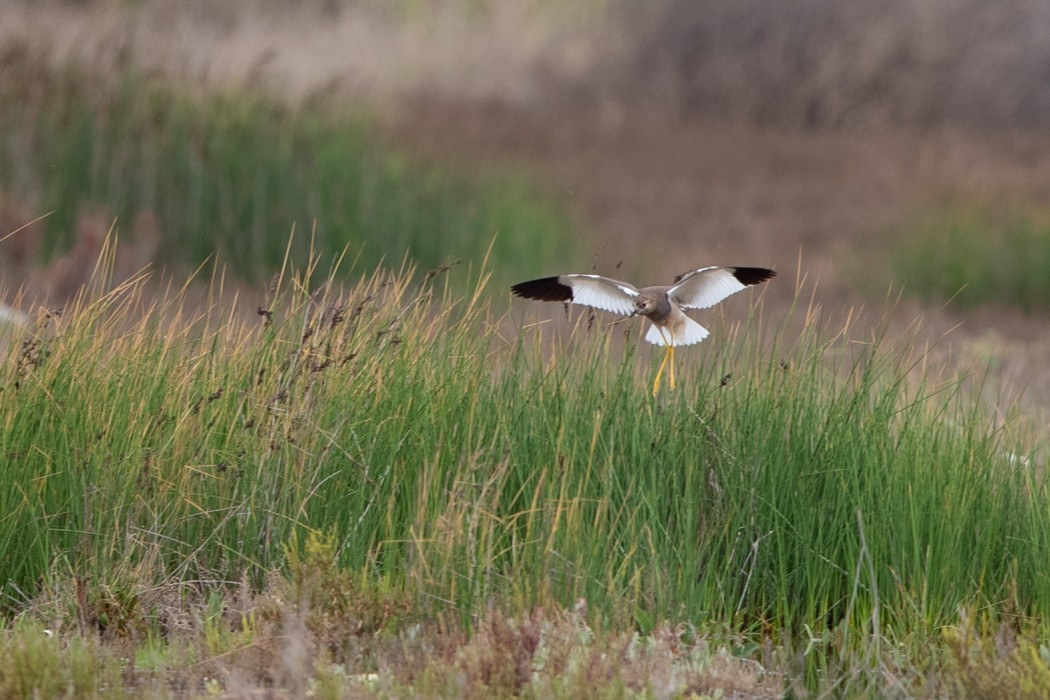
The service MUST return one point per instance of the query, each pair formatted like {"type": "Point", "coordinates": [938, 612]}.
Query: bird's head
{"type": "Point", "coordinates": [644, 304]}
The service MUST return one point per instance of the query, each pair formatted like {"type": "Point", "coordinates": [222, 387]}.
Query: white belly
{"type": "Point", "coordinates": [680, 330]}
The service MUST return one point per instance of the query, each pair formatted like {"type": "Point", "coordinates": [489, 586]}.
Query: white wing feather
{"type": "Point", "coordinates": [601, 293]}
{"type": "Point", "coordinates": [703, 288]}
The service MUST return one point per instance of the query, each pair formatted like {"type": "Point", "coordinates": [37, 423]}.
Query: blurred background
{"type": "Point", "coordinates": [876, 149]}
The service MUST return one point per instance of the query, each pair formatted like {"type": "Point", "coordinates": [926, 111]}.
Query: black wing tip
{"type": "Point", "coordinates": [753, 275]}
{"type": "Point", "coordinates": [544, 289]}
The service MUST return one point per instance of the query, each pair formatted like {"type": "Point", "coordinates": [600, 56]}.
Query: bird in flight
{"type": "Point", "coordinates": [662, 305]}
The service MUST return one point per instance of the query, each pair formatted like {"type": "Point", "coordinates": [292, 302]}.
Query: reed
{"type": "Point", "coordinates": [976, 254]}
{"type": "Point", "coordinates": [794, 486]}
{"type": "Point", "coordinates": [231, 174]}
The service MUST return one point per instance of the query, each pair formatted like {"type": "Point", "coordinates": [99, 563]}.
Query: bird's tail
{"type": "Point", "coordinates": [689, 333]}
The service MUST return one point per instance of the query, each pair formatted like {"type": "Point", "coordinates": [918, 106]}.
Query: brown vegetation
{"type": "Point", "coordinates": [814, 64]}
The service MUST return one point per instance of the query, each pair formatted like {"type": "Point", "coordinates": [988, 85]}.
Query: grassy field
{"type": "Point", "coordinates": [388, 455]}
{"type": "Point", "coordinates": [391, 482]}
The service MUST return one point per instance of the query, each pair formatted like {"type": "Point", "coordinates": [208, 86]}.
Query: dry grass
{"type": "Point", "coordinates": [814, 64]}
{"type": "Point", "coordinates": [802, 64]}
{"type": "Point", "coordinates": [242, 653]}
{"type": "Point", "coordinates": [318, 630]}
{"type": "Point", "coordinates": [372, 50]}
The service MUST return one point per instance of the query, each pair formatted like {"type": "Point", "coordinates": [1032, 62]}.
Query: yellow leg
{"type": "Point", "coordinates": [670, 350]}
{"type": "Point", "coordinates": [659, 372]}
{"type": "Point", "coordinates": [669, 355]}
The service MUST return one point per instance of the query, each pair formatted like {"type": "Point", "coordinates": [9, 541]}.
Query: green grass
{"type": "Point", "coordinates": [829, 489]}
{"type": "Point", "coordinates": [977, 254]}
{"type": "Point", "coordinates": [41, 665]}
{"type": "Point", "coordinates": [235, 173]}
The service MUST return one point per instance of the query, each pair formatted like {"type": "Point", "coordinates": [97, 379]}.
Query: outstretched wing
{"type": "Point", "coordinates": [589, 290]}
{"type": "Point", "coordinates": [707, 286]}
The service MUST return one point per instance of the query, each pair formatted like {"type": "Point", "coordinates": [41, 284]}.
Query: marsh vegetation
{"type": "Point", "coordinates": [307, 446]}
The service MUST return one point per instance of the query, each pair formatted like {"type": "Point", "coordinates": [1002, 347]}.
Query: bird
{"type": "Point", "coordinates": [662, 305]}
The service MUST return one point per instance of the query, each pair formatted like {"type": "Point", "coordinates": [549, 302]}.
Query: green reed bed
{"type": "Point", "coordinates": [233, 173]}
{"type": "Point", "coordinates": [793, 488]}
{"type": "Point", "coordinates": [977, 254]}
